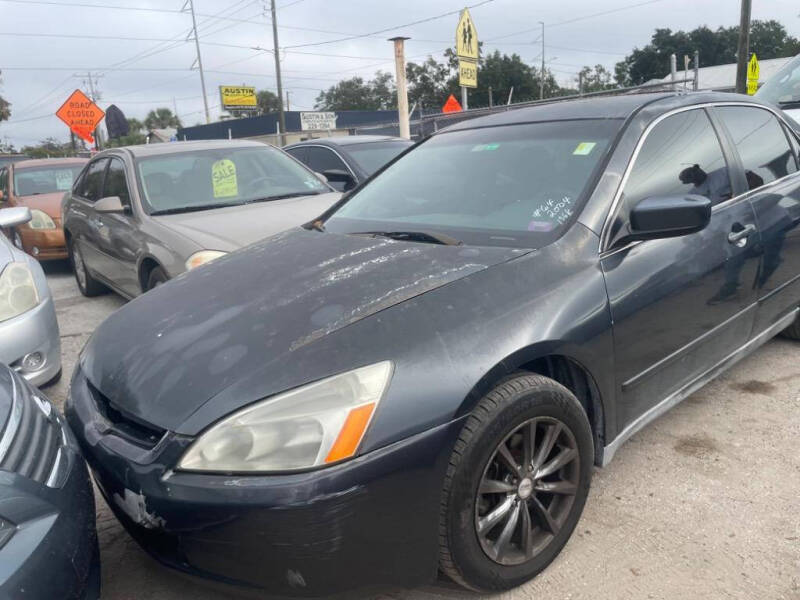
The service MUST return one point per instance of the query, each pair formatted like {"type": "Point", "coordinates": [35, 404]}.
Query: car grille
{"type": "Point", "coordinates": [31, 439]}
{"type": "Point", "coordinates": [133, 430]}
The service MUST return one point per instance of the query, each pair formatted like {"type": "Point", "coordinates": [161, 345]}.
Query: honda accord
{"type": "Point", "coordinates": [423, 377]}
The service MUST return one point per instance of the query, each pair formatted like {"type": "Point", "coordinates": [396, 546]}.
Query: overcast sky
{"type": "Point", "coordinates": [38, 73]}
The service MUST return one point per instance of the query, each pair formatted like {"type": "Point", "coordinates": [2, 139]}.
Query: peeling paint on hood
{"type": "Point", "coordinates": [165, 354]}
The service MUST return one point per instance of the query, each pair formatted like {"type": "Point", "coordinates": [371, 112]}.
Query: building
{"type": "Point", "coordinates": [265, 127]}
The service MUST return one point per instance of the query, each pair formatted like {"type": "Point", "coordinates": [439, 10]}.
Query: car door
{"type": "Point", "coordinates": [84, 226]}
{"type": "Point", "coordinates": [680, 305]}
{"type": "Point", "coordinates": [772, 182]}
{"type": "Point", "coordinates": [117, 234]}
{"type": "Point", "coordinates": [321, 159]}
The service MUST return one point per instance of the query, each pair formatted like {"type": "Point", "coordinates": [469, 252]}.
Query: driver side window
{"type": "Point", "coordinates": [680, 156]}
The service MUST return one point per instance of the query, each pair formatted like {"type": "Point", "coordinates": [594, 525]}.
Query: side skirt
{"type": "Point", "coordinates": [694, 385]}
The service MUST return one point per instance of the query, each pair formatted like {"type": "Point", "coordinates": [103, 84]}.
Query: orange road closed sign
{"type": "Point", "coordinates": [81, 115]}
{"type": "Point", "coordinates": [452, 105]}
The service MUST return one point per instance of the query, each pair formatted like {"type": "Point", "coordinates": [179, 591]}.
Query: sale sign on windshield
{"type": "Point", "coordinates": [81, 115]}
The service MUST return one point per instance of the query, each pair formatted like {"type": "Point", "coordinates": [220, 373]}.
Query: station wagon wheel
{"type": "Point", "coordinates": [527, 490]}
{"type": "Point", "coordinates": [516, 484]}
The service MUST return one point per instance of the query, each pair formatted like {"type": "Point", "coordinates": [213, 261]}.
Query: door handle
{"type": "Point", "coordinates": [739, 238]}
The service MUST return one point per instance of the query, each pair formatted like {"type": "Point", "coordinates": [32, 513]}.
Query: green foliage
{"type": "Point", "coordinates": [357, 94]}
{"type": "Point", "coordinates": [49, 148]}
{"type": "Point", "coordinates": [136, 135]}
{"type": "Point", "coordinates": [5, 108]}
{"type": "Point", "coordinates": [768, 39]}
{"type": "Point", "coordinates": [161, 118]}
{"type": "Point", "coordinates": [597, 79]}
{"type": "Point", "coordinates": [267, 102]}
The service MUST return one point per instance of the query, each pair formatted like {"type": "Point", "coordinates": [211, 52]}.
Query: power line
{"type": "Point", "coordinates": [363, 35]}
{"type": "Point", "coordinates": [116, 7]}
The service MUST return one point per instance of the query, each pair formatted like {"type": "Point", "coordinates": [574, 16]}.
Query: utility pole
{"type": "Point", "coordinates": [541, 75]}
{"type": "Point", "coordinates": [276, 51]}
{"type": "Point", "coordinates": [402, 92]}
{"type": "Point", "coordinates": [580, 83]}
{"type": "Point", "coordinates": [94, 97]}
{"type": "Point", "coordinates": [696, 84]}
{"type": "Point", "coordinates": [491, 103]}
{"type": "Point", "coordinates": [199, 58]}
{"type": "Point", "coordinates": [287, 101]}
{"type": "Point", "coordinates": [743, 53]}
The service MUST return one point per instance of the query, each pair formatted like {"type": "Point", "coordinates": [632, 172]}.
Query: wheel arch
{"type": "Point", "coordinates": [550, 360]}
{"type": "Point", "coordinates": [146, 266]}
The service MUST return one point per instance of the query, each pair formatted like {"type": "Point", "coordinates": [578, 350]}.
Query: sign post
{"type": "Point", "coordinates": [467, 52]}
{"type": "Point", "coordinates": [81, 115]}
{"type": "Point", "coordinates": [753, 72]}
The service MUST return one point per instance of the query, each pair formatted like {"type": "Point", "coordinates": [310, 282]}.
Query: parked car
{"type": "Point", "coordinates": [48, 539]}
{"type": "Point", "coordinates": [40, 185]}
{"type": "Point", "coordinates": [347, 161]}
{"type": "Point", "coordinates": [424, 377]}
{"type": "Point", "coordinates": [29, 338]}
{"type": "Point", "coordinates": [141, 215]}
{"type": "Point", "coordinates": [783, 88]}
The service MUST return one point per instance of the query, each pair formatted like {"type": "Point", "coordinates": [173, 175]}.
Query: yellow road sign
{"type": "Point", "coordinates": [467, 73]}
{"type": "Point", "coordinates": [466, 37]}
{"type": "Point", "coordinates": [753, 72]}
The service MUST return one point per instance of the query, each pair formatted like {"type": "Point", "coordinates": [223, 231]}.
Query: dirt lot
{"type": "Point", "coordinates": [704, 503]}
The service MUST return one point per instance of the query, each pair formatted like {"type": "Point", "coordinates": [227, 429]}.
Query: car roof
{"type": "Point", "coordinates": [48, 162]}
{"type": "Point", "coordinates": [144, 150]}
{"type": "Point", "coordinates": [348, 140]}
{"type": "Point", "coordinates": [620, 106]}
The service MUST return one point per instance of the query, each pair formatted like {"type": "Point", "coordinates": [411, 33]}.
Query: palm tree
{"type": "Point", "coordinates": [161, 118]}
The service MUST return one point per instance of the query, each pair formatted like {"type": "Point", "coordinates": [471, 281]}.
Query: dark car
{"type": "Point", "coordinates": [424, 377]}
{"type": "Point", "coordinates": [347, 161]}
{"type": "Point", "coordinates": [48, 540]}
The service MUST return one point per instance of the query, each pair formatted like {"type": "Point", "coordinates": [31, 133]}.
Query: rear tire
{"type": "Point", "coordinates": [793, 331]}
{"type": "Point", "coordinates": [500, 526]}
{"type": "Point", "coordinates": [156, 277]}
{"type": "Point", "coordinates": [87, 284]}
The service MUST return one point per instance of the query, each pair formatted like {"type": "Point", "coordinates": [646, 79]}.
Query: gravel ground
{"type": "Point", "coordinates": [703, 503]}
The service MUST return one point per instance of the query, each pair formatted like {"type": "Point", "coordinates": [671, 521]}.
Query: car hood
{"type": "Point", "coordinates": [166, 353]}
{"type": "Point", "coordinates": [236, 226]}
{"type": "Point", "coordinates": [49, 204]}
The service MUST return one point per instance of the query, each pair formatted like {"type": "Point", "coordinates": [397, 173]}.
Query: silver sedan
{"type": "Point", "coordinates": [29, 337]}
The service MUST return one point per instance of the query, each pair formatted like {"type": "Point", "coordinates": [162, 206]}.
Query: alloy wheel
{"type": "Point", "coordinates": [527, 490]}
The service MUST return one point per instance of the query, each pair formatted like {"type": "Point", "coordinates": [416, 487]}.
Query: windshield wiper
{"type": "Point", "coordinates": [284, 196]}
{"type": "Point", "coordinates": [185, 209]}
{"type": "Point", "coordinates": [430, 237]}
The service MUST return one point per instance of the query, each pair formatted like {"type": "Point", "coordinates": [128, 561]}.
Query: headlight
{"type": "Point", "coordinates": [17, 291]}
{"type": "Point", "coordinates": [40, 220]}
{"type": "Point", "coordinates": [316, 424]}
{"type": "Point", "coordinates": [6, 531]}
{"type": "Point", "coordinates": [202, 257]}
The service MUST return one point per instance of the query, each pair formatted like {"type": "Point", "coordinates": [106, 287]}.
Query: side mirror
{"type": "Point", "coordinates": [338, 176]}
{"type": "Point", "coordinates": [10, 217]}
{"type": "Point", "coordinates": [669, 216]}
{"type": "Point", "coordinates": [109, 204]}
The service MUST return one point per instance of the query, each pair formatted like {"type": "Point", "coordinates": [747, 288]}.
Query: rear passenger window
{"type": "Point", "coordinates": [681, 155]}
{"type": "Point", "coordinates": [92, 187]}
{"type": "Point", "coordinates": [761, 142]}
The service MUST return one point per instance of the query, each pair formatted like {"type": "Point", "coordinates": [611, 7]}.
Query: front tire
{"type": "Point", "coordinates": [87, 284]}
{"type": "Point", "coordinates": [516, 485]}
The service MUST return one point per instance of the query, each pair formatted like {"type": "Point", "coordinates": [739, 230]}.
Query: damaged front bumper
{"type": "Point", "coordinates": [370, 521]}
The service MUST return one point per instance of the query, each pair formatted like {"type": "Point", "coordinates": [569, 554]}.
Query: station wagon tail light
{"type": "Point", "coordinates": [202, 257]}
{"type": "Point", "coordinates": [314, 425]}
{"type": "Point", "coordinates": [18, 292]}
{"type": "Point", "coordinates": [40, 220]}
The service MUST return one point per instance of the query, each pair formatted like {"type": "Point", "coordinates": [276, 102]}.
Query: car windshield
{"type": "Point", "coordinates": [219, 177]}
{"type": "Point", "coordinates": [45, 180]}
{"type": "Point", "coordinates": [783, 88]}
{"type": "Point", "coordinates": [513, 185]}
{"type": "Point", "coordinates": [373, 155]}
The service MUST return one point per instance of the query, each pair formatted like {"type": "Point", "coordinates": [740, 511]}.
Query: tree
{"type": "Point", "coordinates": [357, 94]}
{"type": "Point", "coordinates": [267, 102]}
{"type": "Point", "coordinates": [49, 148]}
{"type": "Point", "coordinates": [135, 137]}
{"type": "Point", "coordinates": [597, 79]}
{"type": "Point", "coordinates": [161, 118]}
{"type": "Point", "coordinates": [5, 107]}
{"type": "Point", "coordinates": [768, 39]}
{"type": "Point", "coordinates": [427, 82]}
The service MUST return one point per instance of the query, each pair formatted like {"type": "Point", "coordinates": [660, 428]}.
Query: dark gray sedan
{"type": "Point", "coordinates": [139, 216]}
{"type": "Point", "coordinates": [347, 161]}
